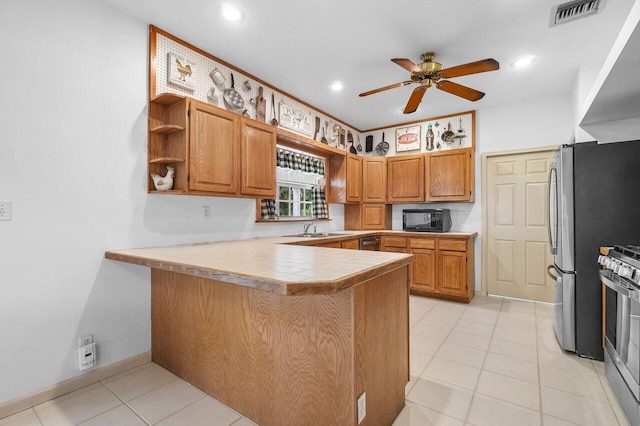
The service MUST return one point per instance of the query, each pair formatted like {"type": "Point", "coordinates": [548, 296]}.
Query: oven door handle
{"type": "Point", "coordinates": [623, 325]}
{"type": "Point", "coordinates": [615, 286]}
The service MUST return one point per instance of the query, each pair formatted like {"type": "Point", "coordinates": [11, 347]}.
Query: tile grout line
{"type": "Point", "coordinates": [475, 389]}
{"type": "Point", "coordinates": [538, 366]}
{"type": "Point", "coordinates": [434, 355]}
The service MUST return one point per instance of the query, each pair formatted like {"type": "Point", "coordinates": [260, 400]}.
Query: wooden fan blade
{"type": "Point", "coordinates": [460, 90]}
{"type": "Point", "coordinates": [415, 99]}
{"type": "Point", "coordinates": [393, 86]}
{"type": "Point", "coordinates": [407, 64]}
{"type": "Point", "coordinates": [470, 68]}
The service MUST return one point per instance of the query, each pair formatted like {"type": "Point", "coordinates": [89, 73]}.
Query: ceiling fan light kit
{"type": "Point", "coordinates": [429, 73]}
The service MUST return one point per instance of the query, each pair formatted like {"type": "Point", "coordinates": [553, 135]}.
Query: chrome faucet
{"type": "Point", "coordinates": [307, 226]}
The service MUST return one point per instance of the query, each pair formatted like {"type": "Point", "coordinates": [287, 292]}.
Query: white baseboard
{"type": "Point", "coordinates": [38, 397]}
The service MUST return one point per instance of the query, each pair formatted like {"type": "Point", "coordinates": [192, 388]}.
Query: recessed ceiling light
{"type": "Point", "coordinates": [336, 86]}
{"type": "Point", "coordinates": [524, 61]}
{"type": "Point", "coordinates": [231, 12]}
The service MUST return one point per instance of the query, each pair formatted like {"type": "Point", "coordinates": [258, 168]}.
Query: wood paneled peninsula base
{"type": "Point", "coordinates": [283, 351]}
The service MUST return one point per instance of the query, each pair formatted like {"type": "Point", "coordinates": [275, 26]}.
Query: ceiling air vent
{"type": "Point", "coordinates": [573, 10]}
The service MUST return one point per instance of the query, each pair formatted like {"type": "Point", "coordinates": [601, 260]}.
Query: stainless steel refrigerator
{"type": "Point", "coordinates": [594, 201]}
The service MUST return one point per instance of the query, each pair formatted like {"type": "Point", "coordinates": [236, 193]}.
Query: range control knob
{"type": "Point", "coordinates": [626, 271]}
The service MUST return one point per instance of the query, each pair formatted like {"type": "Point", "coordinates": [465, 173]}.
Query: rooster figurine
{"type": "Point", "coordinates": [164, 183]}
{"type": "Point", "coordinates": [184, 70]}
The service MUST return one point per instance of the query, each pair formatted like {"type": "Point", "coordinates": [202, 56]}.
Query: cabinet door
{"type": "Point", "coordinates": [424, 269]}
{"type": "Point", "coordinates": [376, 216]}
{"type": "Point", "coordinates": [258, 159]}
{"type": "Point", "coordinates": [213, 146]}
{"type": "Point", "coordinates": [350, 244]}
{"type": "Point", "coordinates": [333, 244]}
{"type": "Point", "coordinates": [450, 175]}
{"type": "Point", "coordinates": [374, 180]}
{"type": "Point", "coordinates": [389, 243]}
{"type": "Point", "coordinates": [405, 178]}
{"type": "Point", "coordinates": [452, 268]}
{"type": "Point", "coordinates": [354, 179]}
{"type": "Point", "coordinates": [395, 250]}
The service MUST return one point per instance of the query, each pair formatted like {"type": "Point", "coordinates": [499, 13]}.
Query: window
{"type": "Point", "coordinates": [300, 188]}
{"type": "Point", "coordinates": [294, 200]}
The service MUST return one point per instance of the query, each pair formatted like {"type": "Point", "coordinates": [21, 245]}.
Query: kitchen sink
{"type": "Point", "coordinates": [319, 234]}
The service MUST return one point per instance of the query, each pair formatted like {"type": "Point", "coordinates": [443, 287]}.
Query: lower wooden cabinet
{"type": "Point", "coordinates": [423, 275]}
{"type": "Point", "coordinates": [443, 267]}
{"type": "Point", "coordinates": [393, 243]}
{"type": "Point", "coordinates": [331, 244]}
{"type": "Point", "coordinates": [353, 244]}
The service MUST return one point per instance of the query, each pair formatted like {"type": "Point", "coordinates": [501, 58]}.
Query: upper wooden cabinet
{"type": "Point", "coordinates": [213, 151]}
{"type": "Point", "coordinates": [374, 180]}
{"type": "Point", "coordinates": [450, 175]}
{"type": "Point", "coordinates": [345, 179]}
{"type": "Point", "coordinates": [367, 216]}
{"type": "Point", "coordinates": [257, 152]}
{"type": "Point", "coordinates": [354, 178]}
{"type": "Point", "coordinates": [405, 178]}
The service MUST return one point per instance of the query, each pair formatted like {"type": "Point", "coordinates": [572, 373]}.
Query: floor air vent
{"type": "Point", "coordinates": [573, 10]}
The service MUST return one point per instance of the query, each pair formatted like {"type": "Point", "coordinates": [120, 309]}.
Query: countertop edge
{"type": "Point", "coordinates": [280, 287]}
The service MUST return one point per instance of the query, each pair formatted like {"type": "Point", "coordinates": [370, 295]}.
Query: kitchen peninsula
{"type": "Point", "coordinates": [283, 333]}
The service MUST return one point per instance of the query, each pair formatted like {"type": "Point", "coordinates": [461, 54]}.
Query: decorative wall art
{"type": "Point", "coordinates": [295, 119]}
{"type": "Point", "coordinates": [181, 71]}
{"type": "Point", "coordinates": [407, 138]}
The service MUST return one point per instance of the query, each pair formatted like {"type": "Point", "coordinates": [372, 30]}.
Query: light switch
{"type": "Point", "coordinates": [5, 210]}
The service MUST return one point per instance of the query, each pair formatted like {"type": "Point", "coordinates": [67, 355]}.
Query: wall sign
{"type": "Point", "coordinates": [181, 71]}
{"type": "Point", "coordinates": [407, 138]}
{"type": "Point", "coordinates": [294, 119]}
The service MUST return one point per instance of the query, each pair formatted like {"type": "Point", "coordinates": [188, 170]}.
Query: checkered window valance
{"type": "Point", "coordinates": [297, 161]}
{"type": "Point", "coordinates": [304, 163]}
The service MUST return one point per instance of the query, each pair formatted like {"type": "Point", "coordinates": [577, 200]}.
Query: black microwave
{"type": "Point", "coordinates": [426, 220]}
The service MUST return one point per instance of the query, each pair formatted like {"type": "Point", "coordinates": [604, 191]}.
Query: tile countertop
{"type": "Point", "coordinates": [277, 264]}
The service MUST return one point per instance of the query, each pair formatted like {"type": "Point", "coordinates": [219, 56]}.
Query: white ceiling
{"type": "Point", "coordinates": [302, 46]}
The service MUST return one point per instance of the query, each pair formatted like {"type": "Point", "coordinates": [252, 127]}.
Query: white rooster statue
{"type": "Point", "coordinates": [164, 183]}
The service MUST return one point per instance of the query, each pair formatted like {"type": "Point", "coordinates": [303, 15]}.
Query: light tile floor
{"type": "Point", "coordinates": [492, 362]}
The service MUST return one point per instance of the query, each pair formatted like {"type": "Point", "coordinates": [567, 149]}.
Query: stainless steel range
{"type": "Point", "coordinates": [620, 273]}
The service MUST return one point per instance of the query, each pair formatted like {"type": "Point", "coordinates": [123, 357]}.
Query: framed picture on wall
{"type": "Point", "coordinates": [407, 138]}
{"type": "Point", "coordinates": [181, 71]}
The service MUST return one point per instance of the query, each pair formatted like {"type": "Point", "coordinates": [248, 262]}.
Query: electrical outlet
{"type": "Point", "coordinates": [87, 356]}
{"type": "Point", "coordinates": [5, 210]}
{"type": "Point", "coordinates": [85, 340]}
{"type": "Point", "coordinates": [206, 212]}
{"type": "Point", "coordinates": [362, 407]}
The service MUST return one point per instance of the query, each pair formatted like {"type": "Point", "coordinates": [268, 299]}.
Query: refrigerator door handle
{"type": "Point", "coordinates": [553, 246]}
{"type": "Point", "coordinates": [554, 277]}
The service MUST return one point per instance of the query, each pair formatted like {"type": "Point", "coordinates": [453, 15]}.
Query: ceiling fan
{"type": "Point", "coordinates": [429, 72]}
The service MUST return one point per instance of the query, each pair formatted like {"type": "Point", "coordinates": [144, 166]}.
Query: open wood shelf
{"type": "Point", "coordinates": [294, 140]}
{"type": "Point", "coordinates": [170, 191]}
{"type": "Point", "coordinates": [165, 129]}
{"type": "Point", "coordinates": [166, 160]}
{"type": "Point", "coordinates": [167, 98]}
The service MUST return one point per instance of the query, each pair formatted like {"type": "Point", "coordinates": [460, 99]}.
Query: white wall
{"type": "Point", "coordinates": [72, 161]}
{"type": "Point", "coordinates": [541, 122]}
{"type": "Point", "coordinates": [583, 83]}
